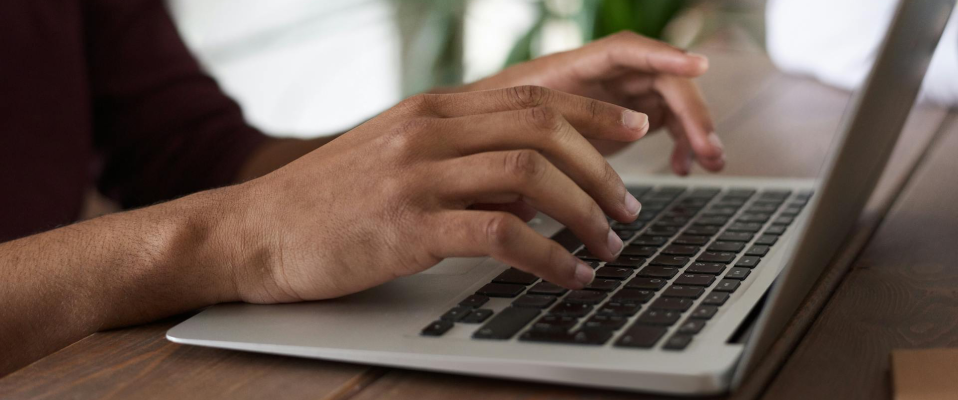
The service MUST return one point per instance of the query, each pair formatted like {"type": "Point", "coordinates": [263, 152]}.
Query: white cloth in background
{"type": "Point", "coordinates": [836, 41]}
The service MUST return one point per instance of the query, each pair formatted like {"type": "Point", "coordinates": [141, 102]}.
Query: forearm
{"type": "Point", "coordinates": [121, 269]}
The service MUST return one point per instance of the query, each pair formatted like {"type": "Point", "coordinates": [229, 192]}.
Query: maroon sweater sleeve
{"type": "Point", "coordinates": [162, 126]}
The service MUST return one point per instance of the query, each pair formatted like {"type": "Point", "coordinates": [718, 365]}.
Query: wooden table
{"type": "Point", "coordinates": [894, 284]}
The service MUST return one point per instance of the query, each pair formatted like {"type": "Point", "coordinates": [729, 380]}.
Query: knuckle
{"type": "Point", "coordinates": [500, 230]}
{"type": "Point", "coordinates": [624, 35]}
{"type": "Point", "coordinates": [526, 165]}
{"type": "Point", "coordinates": [403, 135]}
{"type": "Point", "coordinates": [419, 102]}
{"type": "Point", "coordinates": [545, 118]}
{"type": "Point", "coordinates": [527, 96]}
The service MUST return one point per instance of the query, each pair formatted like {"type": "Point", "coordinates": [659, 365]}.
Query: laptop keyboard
{"type": "Point", "coordinates": [685, 254]}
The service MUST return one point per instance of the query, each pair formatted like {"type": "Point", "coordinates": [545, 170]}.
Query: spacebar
{"type": "Point", "coordinates": [506, 324]}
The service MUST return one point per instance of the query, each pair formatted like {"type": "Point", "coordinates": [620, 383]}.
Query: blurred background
{"type": "Point", "coordinates": [302, 67]}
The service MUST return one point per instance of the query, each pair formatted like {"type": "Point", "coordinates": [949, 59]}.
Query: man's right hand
{"type": "Point", "coordinates": [437, 176]}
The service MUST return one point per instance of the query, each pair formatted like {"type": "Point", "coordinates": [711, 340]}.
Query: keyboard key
{"type": "Point", "coordinates": [747, 218]}
{"type": "Point", "coordinates": [585, 296]}
{"type": "Point", "coordinates": [791, 211]}
{"type": "Point", "coordinates": [721, 211]}
{"type": "Point", "coordinates": [691, 240]}
{"type": "Point", "coordinates": [603, 285]}
{"type": "Point", "coordinates": [775, 194]}
{"type": "Point", "coordinates": [732, 247]}
{"type": "Point", "coordinates": [662, 231]}
{"type": "Point", "coordinates": [437, 328]}
{"type": "Point", "coordinates": [506, 323]}
{"type": "Point", "coordinates": [741, 193]}
{"type": "Point", "coordinates": [609, 272]}
{"type": "Point", "coordinates": [639, 251]}
{"type": "Point", "coordinates": [673, 221]}
{"type": "Point", "coordinates": [586, 255]}
{"type": "Point", "coordinates": [658, 272]}
{"type": "Point", "coordinates": [757, 250]}
{"type": "Point", "coordinates": [670, 261]}
{"type": "Point", "coordinates": [534, 301]}
{"type": "Point", "coordinates": [623, 234]}
{"type": "Point", "coordinates": [750, 227]}
{"type": "Point", "coordinates": [567, 240]}
{"type": "Point", "coordinates": [671, 304]}
{"type": "Point", "coordinates": [646, 283]}
{"type": "Point", "coordinates": [680, 250]}
{"type": "Point", "coordinates": [638, 191]}
{"type": "Point", "coordinates": [690, 292]}
{"type": "Point", "coordinates": [738, 273]}
{"type": "Point", "coordinates": [783, 220]}
{"type": "Point", "coordinates": [634, 225]}
{"type": "Point", "coordinates": [636, 296]}
{"type": "Point", "coordinates": [748, 262]}
{"type": "Point", "coordinates": [704, 312]}
{"type": "Point", "coordinates": [474, 301]}
{"type": "Point", "coordinates": [658, 317]}
{"type": "Point", "coordinates": [501, 290]}
{"type": "Point", "coordinates": [555, 322]}
{"type": "Point", "coordinates": [706, 193]}
{"type": "Point", "coordinates": [767, 240]}
{"type": "Point", "coordinates": [711, 221]}
{"type": "Point", "coordinates": [735, 237]}
{"type": "Point", "coordinates": [775, 230]}
{"type": "Point", "coordinates": [716, 298]}
{"type": "Point", "coordinates": [606, 322]}
{"type": "Point", "coordinates": [585, 337]}
{"type": "Point", "coordinates": [516, 276]}
{"type": "Point", "coordinates": [456, 314]}
{"type": "Point", "coordinates": [761, 209]}
{"type": "Point", "coordinates": [727, 285]}
{"type": "Point", "coordinates": [619, 309]}
{"type": "Point", "coordinates": [706, 268]}
{"type": "Point", "coordinates": [548, 288]}
{"type": "Point", "coordinates": [711, 256]}
{"type": "Point", "coordinates": [629, 260]}
{"type": "Point", "coordinates": [567, 309]}
{"type": "Point", "coordinates": [691, 326]}
{"type": "Point", "coordinates": [695, 280]}
{"type": "Point", "coordinates": [701, 231]}
{"type": "Point", "coordinates": [641, 336]}
{"type": "Point", "coordinates": [677, 342]}
{"type": "Point", "coordinates": [649, 241]}
{"type": "Point", "coordinates": [477, 316]}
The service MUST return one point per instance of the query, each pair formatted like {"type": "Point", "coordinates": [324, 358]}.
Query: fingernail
{"type": "Point", "coordinates": [702, 59]}
{"type": "Point", "coordinates": [584, 273]}
{"type": "Point", "coordinates": [715, 141]}
{"type": "Point", "coordinates": [615, 244]}
{"type": "Point", "coordinates": [631, 204]}
{"type": "Point", "coordinates": [635, 121]}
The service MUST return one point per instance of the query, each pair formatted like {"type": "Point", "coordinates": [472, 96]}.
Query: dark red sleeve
{"type": "Point", "coordinates": [162, 126]}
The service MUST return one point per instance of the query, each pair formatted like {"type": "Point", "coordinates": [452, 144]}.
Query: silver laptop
{"type": "Point", "coordinates": [713, 270]}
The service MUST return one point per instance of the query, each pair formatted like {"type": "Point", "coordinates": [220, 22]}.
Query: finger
{"type": "Point", "coordinates": [545, 130]}
{"type": "Point", "coordinates": [627, 51]}
{"type": "Point", "coordinates": [503, 236]}
{"type": "Point", "coordinates": [519, 208]}
{"type": "Point", "coordinates": [593, 118]}
{"type": "Point", "coordinates": [508, 176]}
{"type": "Point", "coordinates": [681, 160]}
{"type": "Point", "coordinates": [685, 102]}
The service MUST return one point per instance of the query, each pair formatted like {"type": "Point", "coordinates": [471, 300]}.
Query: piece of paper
{"type": "Point", "coordinates": [925, 374]}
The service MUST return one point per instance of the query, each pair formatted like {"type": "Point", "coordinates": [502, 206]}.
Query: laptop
{"type": "Point", "coordinates": [713, 269]}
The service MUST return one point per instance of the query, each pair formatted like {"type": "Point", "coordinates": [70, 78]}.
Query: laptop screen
{"type": "Point", "coordinates": [858, 156]}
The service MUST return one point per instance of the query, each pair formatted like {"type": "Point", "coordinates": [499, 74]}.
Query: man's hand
{"type": "Point", "coordinates": [635, 72]}
{"type": "Point", "coordinates": [434, 177]}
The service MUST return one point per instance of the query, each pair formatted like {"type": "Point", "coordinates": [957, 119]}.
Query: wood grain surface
{"type": "Point", "coordinates": [902, 292]}
{"type": "Point", "coordinates": [772, 124]}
